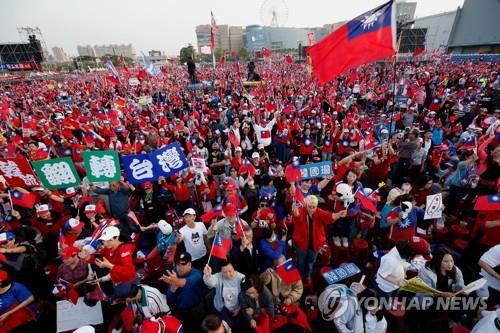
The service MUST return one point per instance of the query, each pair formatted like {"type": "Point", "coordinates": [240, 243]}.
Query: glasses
{"type": "Point", "coordinates": [263, 205]}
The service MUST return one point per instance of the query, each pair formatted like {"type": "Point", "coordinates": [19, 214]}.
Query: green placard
{"type": "Point", "coordinates": [57, 173]}
{"type": "Point", "coordinates": [102, 165]}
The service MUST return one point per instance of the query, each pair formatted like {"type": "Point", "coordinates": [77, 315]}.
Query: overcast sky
{"type": "Point", "coordinates": [167, 25]}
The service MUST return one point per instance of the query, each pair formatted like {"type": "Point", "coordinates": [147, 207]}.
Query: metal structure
{"type": "Point", "coordinates": [274, 13]}
{"type": "Point", "coordinates": [26, 32]}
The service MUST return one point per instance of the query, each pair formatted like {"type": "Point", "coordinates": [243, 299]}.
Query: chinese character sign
{"type": "Point", "coordinates": [169, 160]}
{"type": "Point", "coordinates": [102, 165]}
{"type": "Point", "coordinates": [17, 172]}
{"type": "Point", "coordinates": [57, 173]}
{"type": "Point", "coordinates": [316, 170]}
{"type": "Point", "coordinates": [139, 168]}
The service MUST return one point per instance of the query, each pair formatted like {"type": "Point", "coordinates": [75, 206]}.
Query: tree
{"type": "Point", "coordinates": [243, 54]}
{"type": "Point", "coordinates": [218, 54]}
{"type": "Point", "coordinates": [186, 53]}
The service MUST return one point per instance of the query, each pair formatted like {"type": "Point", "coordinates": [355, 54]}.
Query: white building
{"type": "Point", "coordinates": [60, 55]}
{"type": "Point", "coordinates": [86, 51]}
{"type": "Point", "coordinates": [126, 50]}
{"type": "Point", "coordinates": [439, 27]}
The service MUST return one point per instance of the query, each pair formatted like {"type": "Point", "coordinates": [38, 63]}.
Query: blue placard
{"type": "Point", "coordinates": [316, 170]}
{"type": "Point", "coordinates": [168, 160]}
{"type": "Point", "coordinates": [341, 273]}
{"type": "Point", "coordinates": [139, 168]}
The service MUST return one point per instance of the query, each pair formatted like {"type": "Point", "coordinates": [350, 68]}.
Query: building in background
{"type": "Point", "coordinates": [257, 37]}
{"type": "Point", "coordinates": [156, 58]}
{"type": "Point", "coordinates": [60, 55]}
{"type": "Point", "coordinates": [227, 39]}
{"type": "Point", "coordinates": [476, 28]}
{"type": "Point", "coordinates": [438, 29]}
{"type": "Point", "coordinates": [405, 11]}
{"type": "Point", "coordinates": [126, 50]}
{"type": "Point", "coordinates": [85, 51]}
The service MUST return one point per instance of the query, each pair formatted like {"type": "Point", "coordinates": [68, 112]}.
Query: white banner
{"type": "Point", "coordinates": [71, 316]}
{"type": "Point", "coordinates": [433, 207]}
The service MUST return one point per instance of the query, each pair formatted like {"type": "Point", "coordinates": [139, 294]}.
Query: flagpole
{"type": "Point", "coordinates": [394, 84]}
{"type": "Point", "coordinates": [213, 60]}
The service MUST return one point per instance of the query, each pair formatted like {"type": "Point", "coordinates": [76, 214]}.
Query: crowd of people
{"type": "Point", "coordinates": [145, 252]}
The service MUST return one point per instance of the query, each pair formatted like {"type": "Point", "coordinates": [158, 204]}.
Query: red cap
{"type": "Point", "coordinates": [3, 275]}
{"type": "Point", "coordinates": [147, 185]}
{"type": "Point", "coordinates": [150, 326]}
{"type": "Point", "coordinates": [69, 252]}
{"type": "Point", "coordinates": [420, 246]}
{"type": "Point", "coordinates": [230, 210]}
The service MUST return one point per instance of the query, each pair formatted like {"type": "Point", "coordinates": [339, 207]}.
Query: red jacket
{"type": "Point", "coordinates": [301, 229]}
{"type": "Point", "coordinates": [122, 259]}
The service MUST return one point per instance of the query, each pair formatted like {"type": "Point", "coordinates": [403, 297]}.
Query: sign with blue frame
{"type": "Point", "coordinates": [341, 273]}
{"type": "Point", "coordinates": [316, 170]}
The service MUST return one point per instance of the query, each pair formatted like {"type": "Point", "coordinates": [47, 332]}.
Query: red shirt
{"type": "Point", "coordinates": [301, 228]}
{"type": "Point", "coordinates": [491, 236]}
{"type": "Point", "coordinates": [122, 259]}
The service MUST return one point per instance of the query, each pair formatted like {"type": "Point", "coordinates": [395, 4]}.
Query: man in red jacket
{"type": "Point", "coordinates": [117, 257]}
{"type": "Point", "coordinates": [309, 233]}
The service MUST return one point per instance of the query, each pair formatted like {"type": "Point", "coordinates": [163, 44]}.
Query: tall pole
{"type": "Point", "coordinates": [394, 69]}
{"type": "Point", "coordinates": [213, 58]}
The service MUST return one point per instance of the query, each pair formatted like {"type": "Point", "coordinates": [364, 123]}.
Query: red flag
{"type": "Point", "coordinates": [142, 74]}
{"type": "Point", "coordinates": [211, 214]}
{"type": "Point", "coordinates": [213, 30]}
{"type": "Point", "coordinates": [128, 318]}
{"type": "Point", "coordinates": [299, 197]}
{"type": "Point", "coordinates": [112, 79]}
{"type": "Point", "coordinates": [17, 172]}
{"type": "Point", "coordinates": [66, 290]}
{"type": "Point", "coordinates": [26, 200]}
{"type": "Point", "coordinates": [292, 173]}
{"type": "Point", "coordinates": [366, 38]}
{"type": "Point", "coordinates": [488, 202]}
{"type": "Point", "coordinates": [419, 51]}
{"type": "Point", "coordinates": [288, 272]}
{"type": "Point", "coordinates": [221, 247]}
{"type": "Point", "coordinates": [233, 139]}
{"type": "Point", "coordinates": [222, 61]}
{"type": "Point", "coordinates": [265, 52]}
{"type": "Point", "coordinates": [238, 225]}
{"type": "Point", "coordinates": [288, 59]}
{"type": "Point", "coordinates": [365, 202]}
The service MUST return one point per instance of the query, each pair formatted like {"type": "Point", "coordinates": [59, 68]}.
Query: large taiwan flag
{"type": "Point", "coordinates": [369, 37]}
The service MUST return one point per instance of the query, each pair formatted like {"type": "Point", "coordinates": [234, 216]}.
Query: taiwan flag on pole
{"type": "Point", "coordinates": [366, 38]}
{"type": "Point", "coordinates": [288, 272]}
{"type": "Point", "coordinates": [26, 199]}
{"type": "Point", "coordinates": [221, 247]}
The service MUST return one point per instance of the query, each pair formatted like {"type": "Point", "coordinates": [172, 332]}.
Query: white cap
{"type": "Point", "coordinates": [237, 149]}
{"type": "Point", "coordinates": [42, 209]}
{"type": "Point", "coordinates": [90, 209]}
{"type": "Point", "coordinates": [189, 211]}
{"type": "Point", "coordinates": [85, 329]}
{"type": "Point", "coordinates": [384, 130]}
{"type": "Point", "coordinates": [109, 233]}
{"type": "Point", "coordinates": [255, 155]}
{"type": "Point", "coordinates": [164, 227]}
